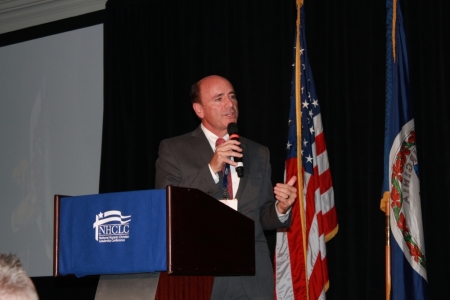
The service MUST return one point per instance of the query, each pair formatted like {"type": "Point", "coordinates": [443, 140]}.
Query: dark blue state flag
{"type": "Point", "coordinates": [401, 173]}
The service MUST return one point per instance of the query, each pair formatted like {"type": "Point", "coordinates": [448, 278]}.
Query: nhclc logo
{"type": "Point", "coordinates": [111, 227]}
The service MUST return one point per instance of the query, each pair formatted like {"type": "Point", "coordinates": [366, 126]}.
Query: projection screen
{"type": "Point", "coordinates": [51, 110]}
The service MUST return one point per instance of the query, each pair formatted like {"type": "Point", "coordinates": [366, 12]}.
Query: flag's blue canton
{"type": "Point", "coordinates": [310, 108]}
{"type": "Point", "coordinates": [291, 150]}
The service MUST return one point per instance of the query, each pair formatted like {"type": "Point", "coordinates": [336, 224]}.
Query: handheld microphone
{"type": "Point", "coordinates": [233, 131]}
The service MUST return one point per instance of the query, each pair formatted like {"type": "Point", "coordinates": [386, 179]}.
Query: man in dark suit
{"type": "Point", "coordinates": [193, 160]}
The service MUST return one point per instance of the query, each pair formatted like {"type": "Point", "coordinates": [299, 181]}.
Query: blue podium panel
{"type": "Point", "coordinates": [113, 233]}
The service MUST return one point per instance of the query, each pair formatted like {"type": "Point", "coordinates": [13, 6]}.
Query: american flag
{"type": "Point", "coordinates": [300, 256]}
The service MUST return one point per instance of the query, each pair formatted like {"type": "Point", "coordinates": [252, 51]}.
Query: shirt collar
{"type": "Point", "coordinates": [211, 137]}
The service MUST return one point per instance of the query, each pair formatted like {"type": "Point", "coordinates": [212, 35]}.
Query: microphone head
{"type": "Point", "coordinates": [232, 128]}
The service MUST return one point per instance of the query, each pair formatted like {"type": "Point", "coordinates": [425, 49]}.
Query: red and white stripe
{"type": "Point", "coordinates": [297, 276]}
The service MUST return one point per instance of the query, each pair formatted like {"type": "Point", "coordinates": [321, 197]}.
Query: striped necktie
{"type": "Point", "coordinates": [226, 171]}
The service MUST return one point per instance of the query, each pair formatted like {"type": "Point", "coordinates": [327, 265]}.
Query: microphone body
{"type": "Point", "coordinates": [233, 132]}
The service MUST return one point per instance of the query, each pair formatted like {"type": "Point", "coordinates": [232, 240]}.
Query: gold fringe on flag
{"type": "Point", "coordinates": [394, 21]}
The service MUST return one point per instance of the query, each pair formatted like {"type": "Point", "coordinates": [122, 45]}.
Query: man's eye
{"type": "Point", "coordinates": [218, 99]}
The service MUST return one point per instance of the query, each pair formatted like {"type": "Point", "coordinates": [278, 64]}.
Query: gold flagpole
{"type": "Point", "coordinates": [299, 141]}
{"type": "Point", "coordinates": [388, 252]}
{"type": "Point", "coordinates": [386, 208]}
{"type": "Point", "coordinates": [385, 202]}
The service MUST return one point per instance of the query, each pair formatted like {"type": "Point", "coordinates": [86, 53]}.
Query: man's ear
{"type": "Point", "coordinates": [198, 108]}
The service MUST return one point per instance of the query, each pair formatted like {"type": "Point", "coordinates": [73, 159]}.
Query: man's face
{"type": "Point", "coordinates": [218, 105]}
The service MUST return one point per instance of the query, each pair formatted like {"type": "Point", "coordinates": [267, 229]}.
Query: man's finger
{"type": "Point", "coordinates": [292, 181]}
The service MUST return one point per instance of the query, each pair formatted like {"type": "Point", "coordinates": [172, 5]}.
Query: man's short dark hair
{"type": "Point", "coordinates": [14, 281]}
{"type": "Point", "coordinates": [195, 93]}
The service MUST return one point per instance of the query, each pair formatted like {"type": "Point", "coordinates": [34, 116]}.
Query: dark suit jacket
{"type": "Point", "coordinates": [183, 161]}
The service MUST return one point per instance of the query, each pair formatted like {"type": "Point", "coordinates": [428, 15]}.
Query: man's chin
{"type": "Point", "coordinates": [231, 120]}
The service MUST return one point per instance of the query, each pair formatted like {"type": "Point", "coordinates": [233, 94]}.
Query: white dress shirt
{"type": "Point", "coordinates": [211, 137]}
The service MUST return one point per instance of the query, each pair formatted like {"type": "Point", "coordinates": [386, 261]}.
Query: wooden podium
{"type": "Point", "coordinates": [204, 238]}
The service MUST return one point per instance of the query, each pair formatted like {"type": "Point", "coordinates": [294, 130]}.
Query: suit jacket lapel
{"type": "Point", "coordinates": [246, 161]}
{"type": "Point", "coordinates": [201, 144]}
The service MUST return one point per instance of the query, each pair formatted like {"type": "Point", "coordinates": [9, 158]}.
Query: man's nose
{"type": "Point", "coordinates": [228, 102]}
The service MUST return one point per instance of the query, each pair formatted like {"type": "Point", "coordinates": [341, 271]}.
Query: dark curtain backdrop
{"type": "Point", "coordinates": [155, 50]}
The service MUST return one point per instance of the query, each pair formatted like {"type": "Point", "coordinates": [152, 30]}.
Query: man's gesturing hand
{"type": "Point", "coordinates": [285, 194]}
{"type": "Point", "coordinates": [223, 153]}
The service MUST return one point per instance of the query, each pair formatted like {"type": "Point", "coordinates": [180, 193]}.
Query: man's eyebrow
{"type": "Point", "coordinates": [222, 94]}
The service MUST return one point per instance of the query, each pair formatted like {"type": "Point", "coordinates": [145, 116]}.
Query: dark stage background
{"type": "Point", "coordinates": [154, 51]}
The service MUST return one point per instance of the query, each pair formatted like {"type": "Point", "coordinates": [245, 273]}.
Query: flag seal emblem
{"type": "Point", "coordinates": [111, 227]}
{"type": "Point", "coordinates": [404, 188]}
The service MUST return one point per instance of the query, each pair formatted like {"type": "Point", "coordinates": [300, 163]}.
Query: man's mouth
{"type": "Point", "coordinates": [230, 114]}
